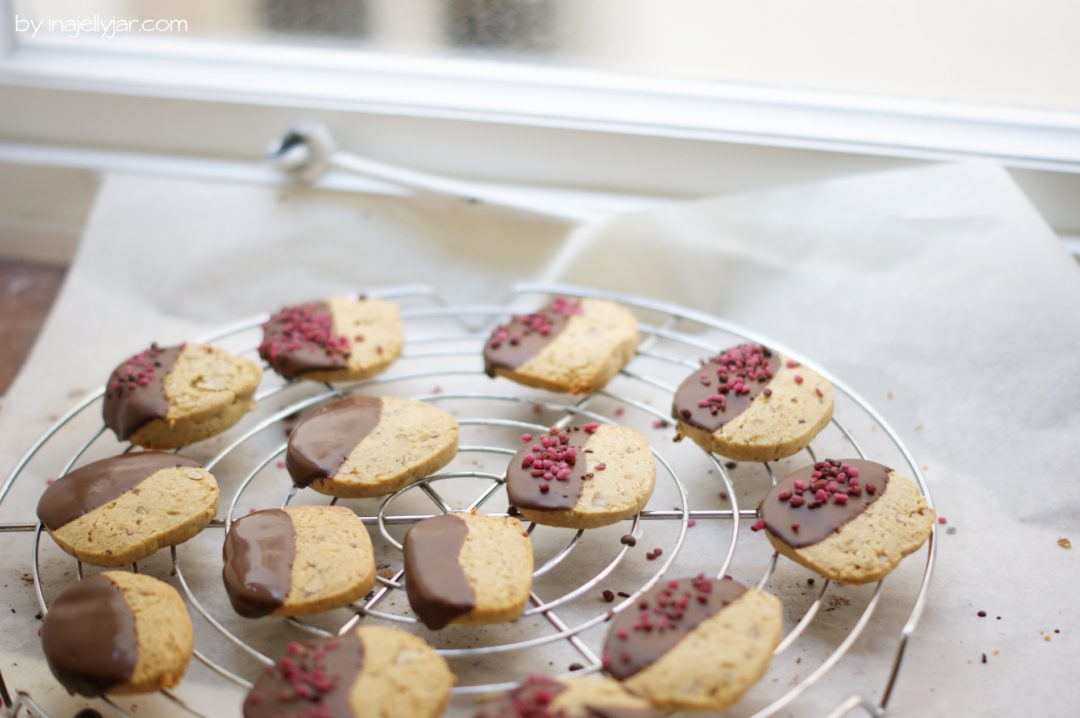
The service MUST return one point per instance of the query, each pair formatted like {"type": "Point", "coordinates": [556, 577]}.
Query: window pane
{"type": "Point", "coordinates": [983, 51]}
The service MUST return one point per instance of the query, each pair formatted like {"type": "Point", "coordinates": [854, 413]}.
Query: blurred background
{"type": "Point", "coordinates": [995, 52]}
{"type": "Point", "coordinates": [595, 105]}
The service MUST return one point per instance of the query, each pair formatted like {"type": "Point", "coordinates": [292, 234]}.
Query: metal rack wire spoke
{"type": "Point", "coordinates": [490, 416]}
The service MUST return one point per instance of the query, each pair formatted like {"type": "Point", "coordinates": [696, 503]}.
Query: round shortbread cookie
{"type": "Point", "coordinates": [582, 476]}
{"type": "Point", "coordinates": [167, 398]}
{"type": "Point", "coordinates": [849, 520]}
{"type": "Point", "coordinates": [117, 632]}
{"type": "Point", "coordinates": [695, 644]}
{"type": "Point", "coordinates": [468, 568]}
{"type": "Point", "coordinates": [751, 404]}
{"type": "Point", "coordinates": [366, 446]}
{"type": "Point", "coordinates": [574, 346]}
{"type": "Point", "coordinates": [296, 561]}
{"type": "Point", "coordinates": [370, 672]}
{"type": "Point", "coordinates": [119, 510]}
{"type": "Point", "coordinates": [341, 339]}
{"type": "Point", "coordinates": [574, 697]}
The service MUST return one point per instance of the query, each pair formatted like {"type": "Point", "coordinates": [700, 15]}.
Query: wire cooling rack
{"type": "Point", "coordinates": [442, 364]}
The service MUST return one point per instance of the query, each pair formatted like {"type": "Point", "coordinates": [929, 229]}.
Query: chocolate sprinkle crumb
{"type": "Point", "coordinates": [730, 465]}
{"type": "Point", "coordinates": [984, 658]}
{"type": "Point", "coordinates": [608, 595]}
{"type": "Point", "coordinates": [809, 582]}
{"type": "Point", "coordinates": [576, 667]}
{"type": "Point", "coordinates": [624, 594]}
{"type": "Point", "coordinates": [982, 614]}
{"type": "Point", "coordinates": [628, 540]}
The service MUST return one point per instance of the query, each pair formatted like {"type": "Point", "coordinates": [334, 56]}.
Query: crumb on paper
{"type": "Point", "coordinates": [889, 394]}
{"type": "Point", "coordinates": [1064, 542]}
{"type": "Point", "coordinates": [836, 602]}
{"type": "Point", "coordinates": [918, 427]}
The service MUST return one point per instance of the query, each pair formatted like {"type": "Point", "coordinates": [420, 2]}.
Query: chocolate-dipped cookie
{"type": "Point", "coordinates": [119, 510]}
{"type": "Point", "coordinates": [369, 671]}
{"type": "Point", "coordinates": [576, 697]}
{"type": "Point", "coordinates": [467, 568]}
{"type": "Point", "coordinates": [169, 397]}
{"type": "Point", "coordinates": [117, 632]}
{"type": "Point", "coordinates": [583, 476]}
{"type": "Point", "coordinates": [849, 520]}
{"type": "Point", "coordinates": [752, 404]}
{"type": "Point", "coordinates": [370, 446]}
{"type": "Point", "coordinates": [341, 339]}
{"type": "Point", "coordinates": [298, 560]}
{"type": "Point", "coordinates": [570, 345]}
{"type": "Point", "coordinates": [693, 643]}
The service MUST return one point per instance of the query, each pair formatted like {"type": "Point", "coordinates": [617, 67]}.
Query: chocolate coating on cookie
{"type": "Point", "coordinates": [89, 637]}
{"type": "Point", "coordinates": [86, 488]}
{"type": "Point", "coordinates": [724, 386]}
{"type": "Point", "coordinates": [259, 552]}
{"type": "Point", "coordinates": [435, 582]}
{"type": "Point", "coordinates": [135, 394]}
{"type": "Point", "coordinates": [548, 473]}
{"type": "Point", "coordinates": [321, 442]}
{"type": "Point", "coordinates": [313, 679]}
{"type": "Point", "coordinates": [514, 344]}
{"type": "Point", "coordinates": [301, 339]}
{"type": "Point", "coordinates": [662, 616]}
{"type": "Point", "coordinates": [811, 504]}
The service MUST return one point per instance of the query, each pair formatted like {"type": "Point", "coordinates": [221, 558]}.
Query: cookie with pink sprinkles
{"type": "Point", "coordinates": [751, 404]}
{"type": "Point", "coordinates": [582, 476]}
{"type": "Point", "coordinates": [169, 397]}
{"type": "Point", "coordinates": [341, 339]}
{"type": "Point", "coordinates": [366, 672]}
{"type": "Point", "coordinates": [849, 520]}
{"type": "Point", "coordinates": [693, 643]}
{"type": "Point", "coordinates": [571, 345]}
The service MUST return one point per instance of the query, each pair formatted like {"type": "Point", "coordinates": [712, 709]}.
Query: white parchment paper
{"type": "Point", "coordinates": [938, 294]}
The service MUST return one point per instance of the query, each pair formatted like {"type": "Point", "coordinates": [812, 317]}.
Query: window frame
{"type": "Point", "coordinates": [249, 94]}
